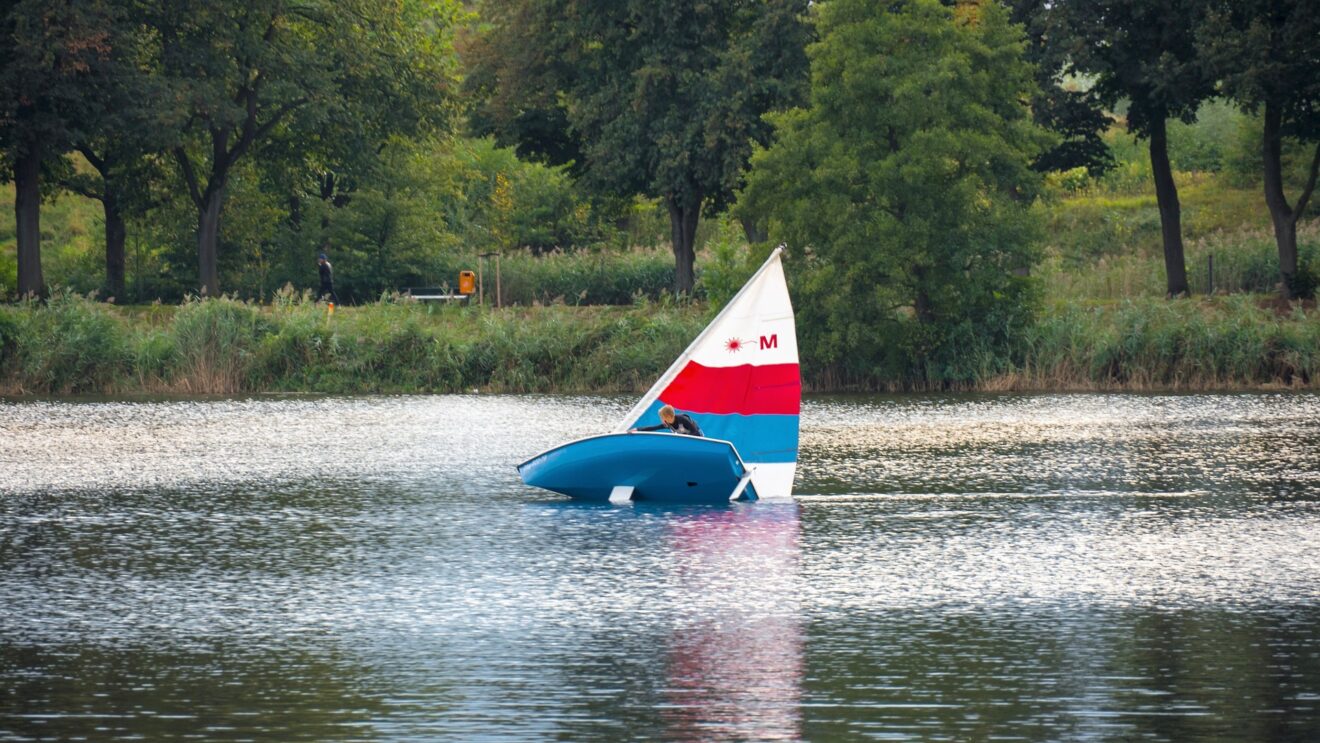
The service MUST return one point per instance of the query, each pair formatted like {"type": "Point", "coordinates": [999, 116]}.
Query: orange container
{"type": "Point", "coordinates": [467, 282]}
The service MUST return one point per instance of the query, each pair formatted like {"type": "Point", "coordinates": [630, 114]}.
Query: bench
{"type": "Point", "coordinates": [434, 294]}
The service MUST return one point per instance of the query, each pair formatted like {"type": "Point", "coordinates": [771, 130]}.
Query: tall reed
{"type": "Point", "coordinates": [1146, 344]}
{"type": "Point", "coordinates": [73, 345]}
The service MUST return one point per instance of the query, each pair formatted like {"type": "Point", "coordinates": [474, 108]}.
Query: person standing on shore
{"type": "Point", "coordinates": [327, 279]}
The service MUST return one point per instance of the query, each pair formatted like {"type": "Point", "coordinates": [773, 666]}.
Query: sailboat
{"type": "Point", "coordinates": [738, 380]}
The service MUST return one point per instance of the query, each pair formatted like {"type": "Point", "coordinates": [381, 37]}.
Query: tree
{"type": "Point", "coordinates": [130, 120]}
{"type": "Point", "coordinates": [904, 190]}
{"type": "Point", "coordinates": [1143, 53]}
{"type": "Point", "coordinates": [396, 84]}
{"type": "Point", "coordinates": [1070, 113]}
{"type": "Point", "coordinates": [259, 71]}
{"type": "Point", "coordinates": [517, 70]}
{"type": "Point", "coordinates": [661, 98]}
{"type": "Point", "coordinates": [1265, 53]}
{"type": "Point", "coordinates": [47, 51]}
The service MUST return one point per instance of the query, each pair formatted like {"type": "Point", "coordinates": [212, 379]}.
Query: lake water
{"type": "Point", "coordinates": [1068, 567]}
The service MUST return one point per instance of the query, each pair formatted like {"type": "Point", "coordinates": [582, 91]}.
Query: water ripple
{"type": "Point", "coordinates": [1041, 567]}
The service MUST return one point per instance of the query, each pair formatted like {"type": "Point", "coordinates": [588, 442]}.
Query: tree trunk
{"type": "Point", "coordinates": [1166, 194]}
{"type": "Point", "coordinates": [683, 232]}
{"type": "Point", "coordinates": [208, 234]}
{"type": "Point", "coordinates": [754, 232]}
{"type": "Point", "coordinates": [115, 234]}
{"type": "Point", "coordinates": [922, 306]}
{"type": "Point", "coordinates": [1281, 214]}
{"type": "Point", "coordinates": [27, 211]}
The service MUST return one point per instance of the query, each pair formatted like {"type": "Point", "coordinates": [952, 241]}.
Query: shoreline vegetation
{"type": "Point", "coordinates": [1050, 199]}
{"type": "Point", "coordinates": [73, 345]}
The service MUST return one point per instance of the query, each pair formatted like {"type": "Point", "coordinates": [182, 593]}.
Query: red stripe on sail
{"type": "Point", "coordinates": [774, 389]}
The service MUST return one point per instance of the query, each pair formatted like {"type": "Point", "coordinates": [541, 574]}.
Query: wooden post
{"type": "Point", "coordinates": [481, 282]}
{"type": "Point", "coordinates": [1210, 271]}
{"type": "Point", "coordinates": [483, 257]}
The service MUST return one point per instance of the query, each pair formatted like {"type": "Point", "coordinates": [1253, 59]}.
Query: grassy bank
{"type": "Point", "coordinates": [76, 346]}
{"type": "Point", "coordinates": [1106, 245]}
{"type": "Point", "coordinates": [1223, 342]}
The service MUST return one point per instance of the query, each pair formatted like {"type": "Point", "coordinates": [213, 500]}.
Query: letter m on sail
{"type": "Point", "coordinates": [771, 342]}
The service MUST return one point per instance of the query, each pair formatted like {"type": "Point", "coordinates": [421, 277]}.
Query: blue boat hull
{"type": "Point", "coordinates": [659, 467]}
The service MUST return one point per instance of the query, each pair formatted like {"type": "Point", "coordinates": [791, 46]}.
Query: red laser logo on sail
{"type": "Point", "coordinates": [733, 345]}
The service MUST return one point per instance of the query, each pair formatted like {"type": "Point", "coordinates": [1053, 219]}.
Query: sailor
{"type": "Point", "coordinates": [676, 422]}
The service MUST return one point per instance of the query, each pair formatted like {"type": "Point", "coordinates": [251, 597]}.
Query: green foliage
{"type": "Point", "coordinates": [315, 85]}
{"type": "Point", "coordinates": [69, 345]}
{"type": "Point", "coordinates": [433, 206]}
{"type": "Point", "coordinates": [1263, 53]}
{"type": "Point", "coordinates": [73, 257]}
{"type": "Point", "coordinates": [1302, 285]}
{"type": "Point", "coordinates": [1058, 104]}
{"type": "Point", "coordinates": [661, 98]}
{"type": "Point", "coordinates": [50, 55]}
{"type": "Point", "coordinates": [74, 345]}
{"type": "Point", "coordinates": [496, 201]}
{"type": "Point", "coordinates": [1245, 260]}
{"type": "Point", "coordinates": [1116, 218]}
{"type": "Point", "coordinates": [1206, 144]}
{"type": "Point", "coordinates": [225, 346]}
{"type": "Point", "coordinates": [1211, 143]}
{"type": "Point", "coordinates": [10, 334]}
{"type": "Point", "coordinates": [730, 264]}
{"type": "Point", "coordinates": [592, 278]}
{"type": "Point", "coordinates": [1153, 343]}
{"type": "Point", "coordinates": [1140, 52]}
{"type": "Point", "coordinates": [1244, 162]}
{"type": "Point", "coordinates": [214, 340]}
{"type": "Point", "coordinates": [903, 191]}
{"type": "Point", "coordinates": [417, 220]}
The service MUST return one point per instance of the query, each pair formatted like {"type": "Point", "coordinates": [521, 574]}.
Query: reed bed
{"type": "Point", "coordinates": [73, 345]}
{"type": "Point", "coordinates": [1223, 342]}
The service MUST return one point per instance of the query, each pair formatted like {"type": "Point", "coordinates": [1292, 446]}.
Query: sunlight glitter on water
{"type": "Point", "coordinates": [1044, 567]}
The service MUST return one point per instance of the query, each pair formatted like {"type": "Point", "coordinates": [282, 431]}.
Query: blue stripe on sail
{"type": "Point", "coordinates": [758, 438]}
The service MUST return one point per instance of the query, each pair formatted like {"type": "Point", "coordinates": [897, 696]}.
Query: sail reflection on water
{"type": "Point", "coordinates": [734, 663]}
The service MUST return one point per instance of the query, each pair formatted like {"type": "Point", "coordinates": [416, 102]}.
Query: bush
{"type": "Point", "coordinates": [1159, 344]}
{"type": "Point", "coordinates": [1303, 284]}
{"type": "Point", "coordinates": [214, 341]}
{"type": "Point", "coordinates": [68, 346]}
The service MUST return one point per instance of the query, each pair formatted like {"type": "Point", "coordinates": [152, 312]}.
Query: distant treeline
{"type": "Point", "coordinates": [905, 151]}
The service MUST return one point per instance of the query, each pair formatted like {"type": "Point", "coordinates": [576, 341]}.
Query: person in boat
{"type": "Point", "coordinates": [676, 422]}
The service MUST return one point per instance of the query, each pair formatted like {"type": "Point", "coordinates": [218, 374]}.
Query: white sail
{"type": "Point", "coordinates": [739, 380]}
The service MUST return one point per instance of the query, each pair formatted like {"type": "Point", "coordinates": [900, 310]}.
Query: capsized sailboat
{"type": "Point", "coordinates": [738, 380]}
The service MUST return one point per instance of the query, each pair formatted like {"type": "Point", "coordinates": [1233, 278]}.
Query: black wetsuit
{"type": "Point", "coordinates": [682, 424]}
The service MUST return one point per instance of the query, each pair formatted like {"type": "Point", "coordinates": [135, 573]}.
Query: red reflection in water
{"type": "Point", "coordinates": [735, 670]}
